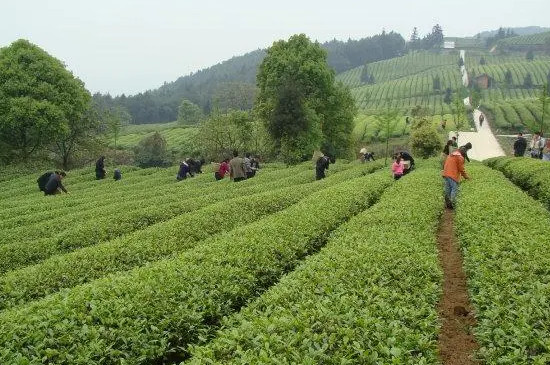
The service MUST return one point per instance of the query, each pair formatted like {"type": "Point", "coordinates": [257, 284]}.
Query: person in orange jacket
{"type": "Point", "coordinates": [452, 170]}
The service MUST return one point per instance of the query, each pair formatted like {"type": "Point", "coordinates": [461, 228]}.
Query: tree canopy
{"type": "Point", "coordinates": [299, 102]}
{"type": "Point", "coordinates": [189, 113]}
{"type": "Point", "coordinates": [41, 102]}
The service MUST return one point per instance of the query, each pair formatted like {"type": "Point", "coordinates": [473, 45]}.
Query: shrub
{"type": "Point", "coordinates": [425, 141]}
{"type": "Point", "coordinates": [151, 151]}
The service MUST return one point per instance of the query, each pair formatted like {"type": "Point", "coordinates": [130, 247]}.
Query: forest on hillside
{"type": "Point", "coordinates": [209, 86]}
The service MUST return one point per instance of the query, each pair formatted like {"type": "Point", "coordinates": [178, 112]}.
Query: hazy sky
{"type": "Point", "coordinates": [129, 46]}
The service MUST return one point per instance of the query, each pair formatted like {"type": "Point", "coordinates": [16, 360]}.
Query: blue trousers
{"type": "Point", "coordinates": [451, 189]}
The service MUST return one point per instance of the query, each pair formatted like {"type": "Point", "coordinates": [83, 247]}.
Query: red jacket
{"type": "Point", "coordinates": [454, 166]}
{"type": "Point", "coordinates": [224, 169]}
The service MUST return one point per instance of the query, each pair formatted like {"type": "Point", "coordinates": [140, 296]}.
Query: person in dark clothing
{"type": "Point", "coordinates": [367, 156]}
{"type": "Point", "coordinates": [255, 164]}
{"type": "Point", "coordinates": [455, 143]}
{"type": "Point", "coordinates": [43, 180]}
{"type": "Point", "coordinates": [320, 166]}
{"type": "Point", "coordinates": [464, 151]}
{"type": "Point", "coordinates": [117, 175]}
{"type": "Point", "coordinates": [184, 171]}
{"type": "Point", "coordinates": [195, 166]}
{"type": "Point", "coordinates": [447, 148]}
{"type": "Point", "coordinates": [520, 145]}
{"type": "Point", "coordinates": [100, 168]}
{"type": "Point", "coordinates": [54, 185]}
{"type": "Point", "coordinates": [247, 161]}
{"type": "Point", "coordinates": [481, 119]}
{"type": "Point", "coordinates": [408, 161]}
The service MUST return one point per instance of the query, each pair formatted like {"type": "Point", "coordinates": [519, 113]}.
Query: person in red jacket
{"type": "Point", "coordinates": [223, 169]}
{"type": "Point", "coordinates": [452, 170]}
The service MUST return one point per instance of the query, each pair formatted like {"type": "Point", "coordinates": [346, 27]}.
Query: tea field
{"type": "Point", "coordinates": [278, 269]}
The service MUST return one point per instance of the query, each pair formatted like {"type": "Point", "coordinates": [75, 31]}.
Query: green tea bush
{"type": "Point", "coordinates": [369, 296]}
{"type": "Point", "coordinates": [502, 233]}
{"type": "Point", "coordinates": [152, 313]}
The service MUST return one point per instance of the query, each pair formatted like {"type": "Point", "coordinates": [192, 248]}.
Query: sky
{"type": "Point", "coordinates": [130, 46]}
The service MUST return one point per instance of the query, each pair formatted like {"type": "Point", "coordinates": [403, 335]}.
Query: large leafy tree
{"type": "Point", "coordinates": [189, 113]}
{"type": "Point", "coordinates": [299, 102]}
{"type": "Point", "coordinates": [222, 133]}
{"type": "Point", "coordinates": [41, 102]}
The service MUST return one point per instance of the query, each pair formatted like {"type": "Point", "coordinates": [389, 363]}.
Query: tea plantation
{"type": "Point", "coordinates": [278, 269]}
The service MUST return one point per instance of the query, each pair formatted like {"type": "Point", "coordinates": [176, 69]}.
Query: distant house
{"type": "Point", "coordinates": [449, 45]}
{"type": "Point", "coordinates": [483, 81]}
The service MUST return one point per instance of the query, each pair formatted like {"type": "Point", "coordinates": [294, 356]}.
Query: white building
{"type": "Point", "coordinates": [449, 44]}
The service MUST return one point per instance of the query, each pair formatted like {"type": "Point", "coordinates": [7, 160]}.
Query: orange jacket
{"type": "Point", "coordinates": [454, 166]}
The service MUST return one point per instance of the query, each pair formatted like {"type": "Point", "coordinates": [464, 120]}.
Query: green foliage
{"type": "Point", "coordinates": [29, 238]}
{"type": "Point", "coordinates": [531, 175]}
{"type": "Point", "coordinates": [189, 113]}
{"type": "Point", "coordinates": [298, 101]}
{"type": "Point", "coordinates": [475, 97]}
{"type": "Point", "coordinates": [223, 208]}
{"type": "Point", "coordinates": [222, 133]}
{"type": "Point", "coordinates": [371, 293]}
{"type": "Point", "coordinates": [41, 102]}
{"type": "Point", "coordinates": [459, 112]}
{"type": "Point", "coordinates": [151, 151]}
{"type": "Point", "coordinates": [425, 141]}
{"type": "Point", "coordinates": [405, 81]}
{"type": "Point", "coordinates": [508, 274]}
{"type": "Point", "coordinates": [339, 122]}
{"type": "Point", "coordinates": [157, 310]}
{"type": "Point", "coordinates": [387, 124]}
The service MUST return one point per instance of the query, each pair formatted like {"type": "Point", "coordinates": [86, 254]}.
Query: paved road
{"type": "Point", "coordinates": [484, 143]}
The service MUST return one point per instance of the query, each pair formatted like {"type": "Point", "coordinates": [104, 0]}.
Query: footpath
{"type": "Point", "coordinates": [484, 143]}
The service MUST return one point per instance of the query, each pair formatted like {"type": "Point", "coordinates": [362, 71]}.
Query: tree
{"type": "Point", "coordinates": [298, 99]}
{"type": "Point", "coordinates": [387, 123]}
{"type": "Point", "coordinates": [528, 81]}
{"type": "Point", "coordinates": [222, 133]}
{"type": "Point", "coordinates": [341, 111]}
{"type": "Point", "coordinates": [530, 55]}
{"type": "Point", "coordinates": [116, 118]}
{"type": "Point", "coordinates": [295, 126]}
{"type": "Point", "coordinates": [508, 78]}
{"type": "Point", "coordinates": [81, 135]}
{"type": "Point", "coordinates": [434, 39]}
{"type": "Point", "coordinates": [437, 36]}
{"type": "Point", "coordinates": [40, 100]}
{"type": "Point", "coordinates": [151, 151]}
{"type": "Point", "coordinates": [425, 141]}
{"type": "Point", "coordinates": [436, 83]}
{"type": "Point", "coordinates": [475, 97]}
{"type": "Point", "coordinates": [189, 113]}
{"type": "Point", "coordinates": [459, 113]}
{"type": "Point", "coordinates": [414, 43]}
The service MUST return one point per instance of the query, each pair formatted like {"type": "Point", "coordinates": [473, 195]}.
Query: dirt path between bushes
{"type": "Point", "coordinates": [457, 343]}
